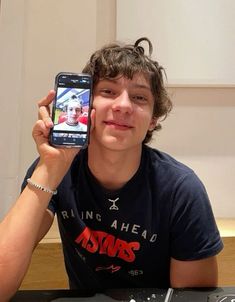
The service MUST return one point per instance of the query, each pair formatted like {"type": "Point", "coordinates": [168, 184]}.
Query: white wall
{"type": "Point", "coordinates": [194, 40]}
{"type": "Point", "coordinates": [11, 54]}
{"type": "Point", "coordinates": [38, 39]}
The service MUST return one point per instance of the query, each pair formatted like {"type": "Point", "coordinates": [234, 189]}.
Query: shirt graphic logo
{"type": "Point", "coordinates": [112, 268]}
{"type": "Point", "coordinates": [114, 206]}
{"type": "Point", "coordinates": [100, 242]}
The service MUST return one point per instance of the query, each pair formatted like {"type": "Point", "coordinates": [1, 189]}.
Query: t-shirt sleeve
{"type": "Point", "coordinates": [52, 203]}
{"type": "Point", "coordinates": [194, 233]}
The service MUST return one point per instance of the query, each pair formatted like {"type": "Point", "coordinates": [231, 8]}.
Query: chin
{"type": "Point", "coordinates": [113, 143]}
{"type": "Point", "coordinates": [120, 145]}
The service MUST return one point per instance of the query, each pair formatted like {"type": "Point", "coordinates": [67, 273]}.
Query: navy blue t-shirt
{"type": "Point", "coordinates": [126, 238]}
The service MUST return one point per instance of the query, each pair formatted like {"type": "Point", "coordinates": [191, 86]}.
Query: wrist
{"type": "Point", "coordinates": [40, 187]}
{"type": "Point", "coordinates": [47, 177]}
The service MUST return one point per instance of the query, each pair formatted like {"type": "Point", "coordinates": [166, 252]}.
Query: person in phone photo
{"type": "Point", "coordinates": [73, 110]}
{"type": "Point", "coordinates": [129, 215]}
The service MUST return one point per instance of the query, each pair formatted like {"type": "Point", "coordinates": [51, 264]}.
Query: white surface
{"type": "Point", "coordinates": [193, 40]}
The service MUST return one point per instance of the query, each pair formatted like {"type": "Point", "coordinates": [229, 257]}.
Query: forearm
{"type": "Point", "coordinates": [197, 273]}
{"type": "Point", "coordinates": [29, 220]}
{"type": "Point", "coordinates": [19, 234]}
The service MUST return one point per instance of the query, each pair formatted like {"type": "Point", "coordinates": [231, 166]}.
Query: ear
{"type": "Point", "coordinates": [153, 123]}
{"type": "Point", "coordinates": [92, 119]}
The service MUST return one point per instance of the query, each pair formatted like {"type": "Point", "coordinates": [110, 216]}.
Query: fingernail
{"type": "Point", "coordinates": [49, 123]}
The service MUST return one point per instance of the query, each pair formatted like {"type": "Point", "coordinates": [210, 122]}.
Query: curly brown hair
{"type": "Point", "coordinates": [126, 60]}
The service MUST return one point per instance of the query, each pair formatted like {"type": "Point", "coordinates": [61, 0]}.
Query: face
{"type": "Point", "coordinates": [73, 112]}
{"type": "Point", "coordinates": [124, 109]}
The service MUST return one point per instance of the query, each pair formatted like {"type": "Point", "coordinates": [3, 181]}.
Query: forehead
{"type": "Point", "coordinates": [138, 80]}
{"type": "Point", "coordinates": [74, 104]}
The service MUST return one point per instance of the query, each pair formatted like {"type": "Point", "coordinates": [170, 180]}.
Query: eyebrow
{"type": "Point", "coordinates": [134, 85]}
{"type": "Point", "coordinates": [142, 86]}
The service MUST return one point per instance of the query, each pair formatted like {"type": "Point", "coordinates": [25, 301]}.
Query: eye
{"type": "Point", "coordinates": [106, 92]}
{"type": "Point", "coordinates": [139, 98]}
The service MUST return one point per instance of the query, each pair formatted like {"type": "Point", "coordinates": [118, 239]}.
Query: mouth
{"type": "Point", "coordinates": [118, 125]}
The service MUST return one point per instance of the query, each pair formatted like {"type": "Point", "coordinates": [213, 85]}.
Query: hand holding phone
{"type": "Point", "coordinates": [71, 110]}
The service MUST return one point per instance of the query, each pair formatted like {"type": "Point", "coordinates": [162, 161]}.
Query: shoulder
{"type": "Point", "coordinates": [164, 164]}
{"type": "Point", "coordinates": [82, 126]}
{"type": "Point", "coordinates": [174, 178]}
{"type": "Point", "coordinates": [59, 126]}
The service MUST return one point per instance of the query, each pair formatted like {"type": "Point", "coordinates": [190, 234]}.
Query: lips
{"type": "Point", "coordinates": [118, 125]}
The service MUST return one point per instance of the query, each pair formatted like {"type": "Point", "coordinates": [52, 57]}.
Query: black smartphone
{"type": "Point", "coordinates": [71, 110]}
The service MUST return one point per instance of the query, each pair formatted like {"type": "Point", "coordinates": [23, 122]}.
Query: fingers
{"type": "Point", "coordinates": [44, 109]}
{"type": "Point", "coordinates": [40, 132]}
{"type": "Point", "coordinates": [61, 156]}
{"type": "Point", "coordinates": [48, 99]}
{"type": "Point", "coordinates": [44, 114]}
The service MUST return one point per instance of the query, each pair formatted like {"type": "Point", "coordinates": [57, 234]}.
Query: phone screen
{"type": "Point", "coordinates": [71, 110]}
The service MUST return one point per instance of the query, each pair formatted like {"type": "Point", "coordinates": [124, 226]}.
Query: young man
{"type": "Point", "coordinates": [73, 109]}
{"type": "Point", "coordinates": [129, 215]}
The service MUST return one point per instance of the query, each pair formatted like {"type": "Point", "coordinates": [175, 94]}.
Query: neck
{"type": "Point", "coordinates": [71, 123]}
{"type": "Point", "coordinates": [113, 169]}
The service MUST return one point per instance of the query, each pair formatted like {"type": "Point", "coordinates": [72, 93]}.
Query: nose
{"type": "Point", "coordinates": [74, 112]}
{"type": "Point", "coordinates": [123, 103]}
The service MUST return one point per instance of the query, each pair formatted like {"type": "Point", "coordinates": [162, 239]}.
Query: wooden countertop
{"type": "Point", "coordinates": [226, 226]}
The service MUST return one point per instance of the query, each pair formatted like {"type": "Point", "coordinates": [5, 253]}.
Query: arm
{"type": "Point", "coordinates": [29, 219]}
{"type": "Point", "coordinates": [195, 237]}
{"type": "Point", "coordinates": [197, 273]}
{"type": "Point", "coordinates": [20, 231]}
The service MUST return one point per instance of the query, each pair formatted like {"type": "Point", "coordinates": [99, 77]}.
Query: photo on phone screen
{"type": "Point", "coordinates": [71, 110]}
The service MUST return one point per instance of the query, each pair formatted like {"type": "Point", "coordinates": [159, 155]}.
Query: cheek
{"type": "Point", "coordinates": [145, 115]}
{"type": "Point", "coordinates": [101, 108]}
{"type": "Point", "coordinates": [98, 116]}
